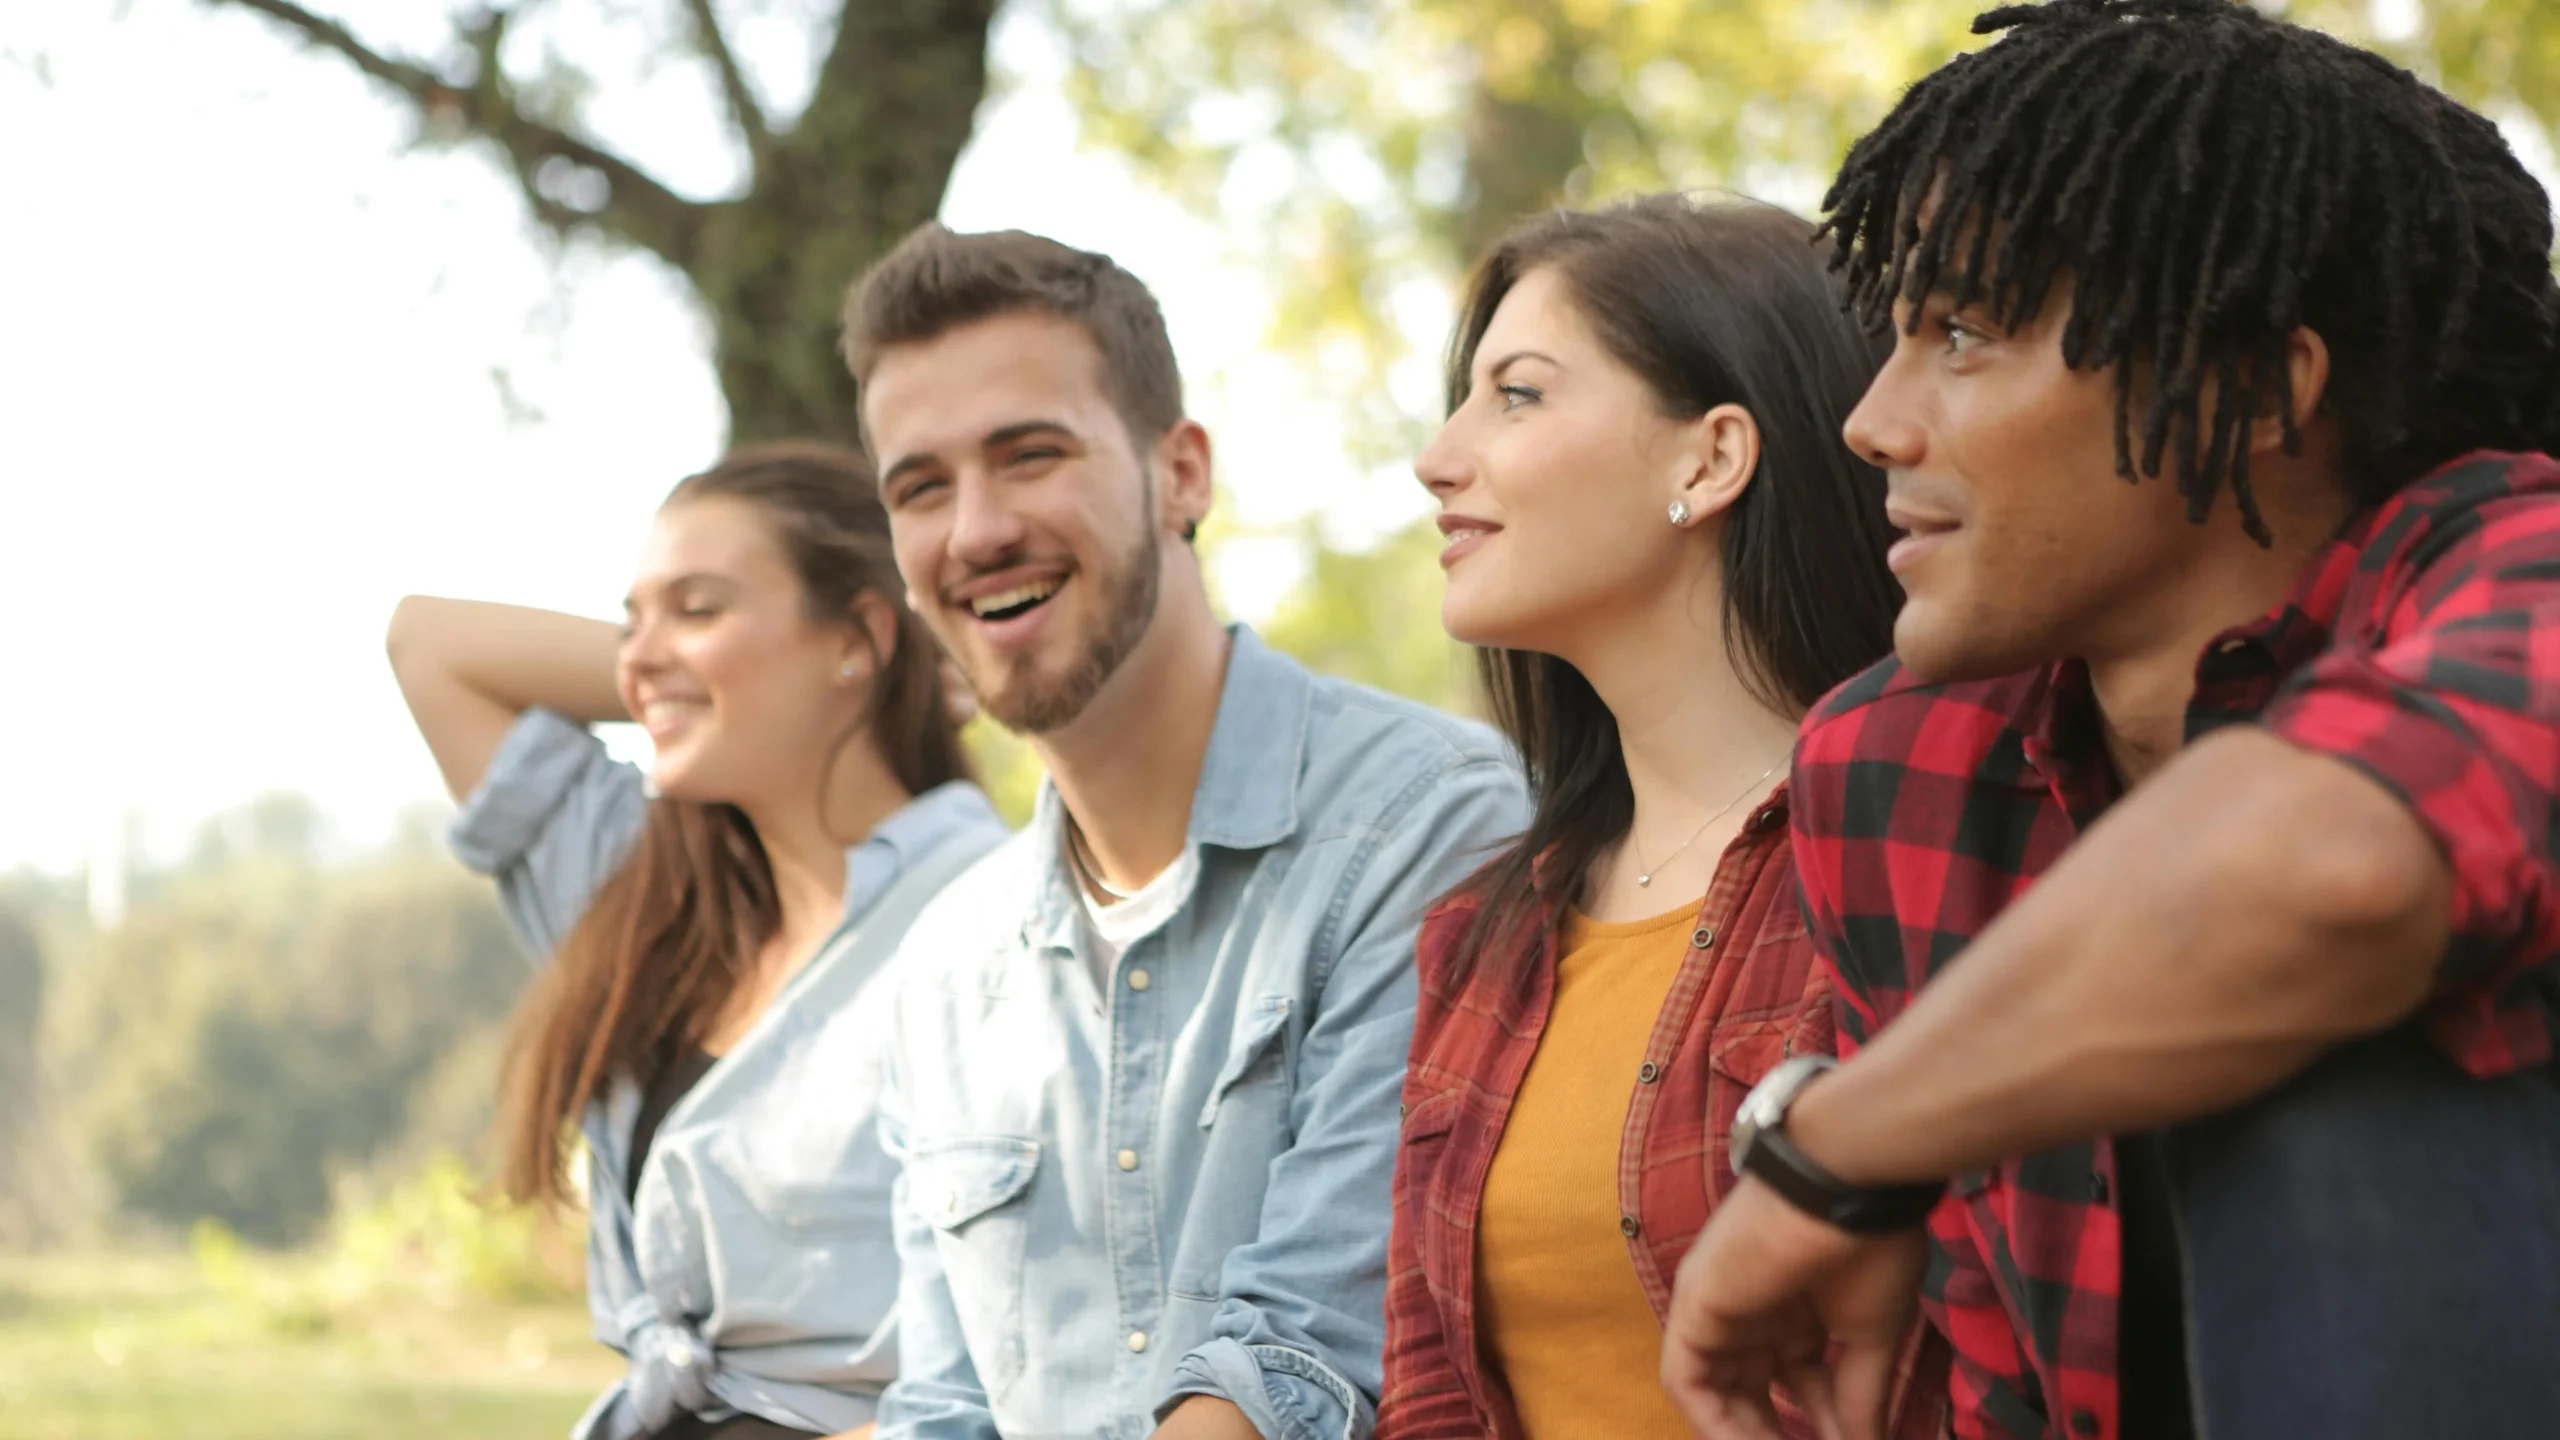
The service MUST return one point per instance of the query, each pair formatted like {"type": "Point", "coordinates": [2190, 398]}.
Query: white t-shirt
{"type": "Point", "coordinates": [1115, 926]}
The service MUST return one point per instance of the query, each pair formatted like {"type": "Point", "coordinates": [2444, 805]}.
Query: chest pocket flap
{"type": "Point", "coordinates": [1263, 1031]}
{"type": "Point", "coordinates": [959, 1179]}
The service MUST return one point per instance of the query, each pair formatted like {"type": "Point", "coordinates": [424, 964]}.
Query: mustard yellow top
{"type": "Point", "coordinates": [1559, 1311]}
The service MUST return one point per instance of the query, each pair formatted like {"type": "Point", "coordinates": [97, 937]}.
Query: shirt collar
{"type": "Point", "coordinates": [911, 832]}
{"type": "Point", "coordinates": [1247, 798]}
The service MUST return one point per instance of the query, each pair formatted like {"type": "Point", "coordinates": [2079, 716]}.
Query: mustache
{"type": "Point", "coordinates": [1059, 563]}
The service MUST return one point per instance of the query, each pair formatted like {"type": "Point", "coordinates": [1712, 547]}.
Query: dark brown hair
{"type": "Point", "coordinates": [2204, 178]}
{"type": "Point", "coordinates": [1710, 303]}
{"type": "Point", "coordinates": [938, 280]}
{"type": "Point", "coordinates": [668, 937]}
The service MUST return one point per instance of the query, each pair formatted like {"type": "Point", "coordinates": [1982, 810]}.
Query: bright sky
{"type": "Point", "coordinates": [263, 370]}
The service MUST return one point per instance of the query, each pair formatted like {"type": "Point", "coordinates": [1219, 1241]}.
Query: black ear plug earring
{"type": "Point", "coordinates": [1190, 531]}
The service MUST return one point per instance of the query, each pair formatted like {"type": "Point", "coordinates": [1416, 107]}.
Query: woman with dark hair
{"type": "Point", "coordinates": [708, 1017]}
{"type": "Point", "coordinates": [1664, 555]}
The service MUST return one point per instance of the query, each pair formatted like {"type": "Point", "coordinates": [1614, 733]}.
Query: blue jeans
{"type": "Point", "coordinates": [2372, 1252]}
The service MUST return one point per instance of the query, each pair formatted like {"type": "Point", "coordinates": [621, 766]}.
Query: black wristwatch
{"type": "Point", "coordinates": [1761, 1148]}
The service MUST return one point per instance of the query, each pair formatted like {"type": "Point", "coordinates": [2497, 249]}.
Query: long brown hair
{"type": "Point", "coordinates": [666, 940]}
{"type": "Point", "coordinates": [1711, 303]}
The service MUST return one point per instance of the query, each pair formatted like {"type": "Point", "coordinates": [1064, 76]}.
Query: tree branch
{"type": "Point", "coordinates": [638, 209]}
{"type": "Point", "coordinates": [733, 81]}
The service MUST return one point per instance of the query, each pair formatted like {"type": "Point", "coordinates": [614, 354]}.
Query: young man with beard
{"type": "Point", "coordinates": [1148, 1057]}
{"type": "Point", "coordinates": [2190, 876]}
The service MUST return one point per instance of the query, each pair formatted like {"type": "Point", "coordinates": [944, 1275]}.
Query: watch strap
{"type": "Point", "coordinates": [1868, 1210]}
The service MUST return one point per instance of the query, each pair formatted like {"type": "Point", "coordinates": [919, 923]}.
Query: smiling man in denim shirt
{"type": "Point", "coordinates": [1147, 1056]}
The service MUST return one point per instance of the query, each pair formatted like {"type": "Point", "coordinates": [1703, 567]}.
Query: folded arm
{"type": "Point", "coordinates": [2381, 840]}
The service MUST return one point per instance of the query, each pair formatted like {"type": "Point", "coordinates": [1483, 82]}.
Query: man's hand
{"type": "Point", "coordinates": [1763, 1296]}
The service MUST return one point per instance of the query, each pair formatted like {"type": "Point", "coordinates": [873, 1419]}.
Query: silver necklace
{"type": "Point", "coordinates": [1085, 867]}
{"type": "Point", "coordinates": [1644, 875]}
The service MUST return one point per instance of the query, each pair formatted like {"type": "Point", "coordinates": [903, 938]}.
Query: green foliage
{"type": "Point", "coordinates": [230, 1342]}
{"type": "Point", "coordinates": [1007, 768]}
{"type": "Point", "coordinates": [1374, 616]}
{"type": "Point", "coordinates": [1365, 153]}
{"type": "Point", "coordinates": [261, 1024]}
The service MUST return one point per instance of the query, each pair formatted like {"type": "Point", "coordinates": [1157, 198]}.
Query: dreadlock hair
{"type": "Point", "coordinates": [2209, 179]}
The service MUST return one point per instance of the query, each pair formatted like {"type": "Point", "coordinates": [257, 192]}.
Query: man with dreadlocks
{"type": "Point", "coordinates": [2227, 365]}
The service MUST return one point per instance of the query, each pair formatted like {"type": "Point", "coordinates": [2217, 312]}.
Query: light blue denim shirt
{"type": "Point", "coordinates": [756, 1273]}
{"type": "Point", "coordinates": [1178, 1184]}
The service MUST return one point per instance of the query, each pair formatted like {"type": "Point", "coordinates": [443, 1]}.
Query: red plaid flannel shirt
{"type": "Point", "coordinates": [2422, 646]}
{"type": "Point", "coordinates": [1748, 994]}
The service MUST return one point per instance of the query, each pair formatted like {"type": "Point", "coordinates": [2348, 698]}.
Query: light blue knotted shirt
{"type": "Point", "coordinates": [756, 1273]}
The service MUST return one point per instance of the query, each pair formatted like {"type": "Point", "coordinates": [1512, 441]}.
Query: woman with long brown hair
{"type": "Point", "coordinates": [1664, 554]}
{"type": "Point", "coordinates": [706, 1016]}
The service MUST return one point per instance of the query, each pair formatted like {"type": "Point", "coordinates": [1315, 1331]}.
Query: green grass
{"type": "Point", "coordinates": [147, 1346]}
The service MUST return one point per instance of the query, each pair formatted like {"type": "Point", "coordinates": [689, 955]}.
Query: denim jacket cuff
{"type": "Point", "coordinates": [1287, 1394]}
{"type": "Point", "coordinates": [533, 769]}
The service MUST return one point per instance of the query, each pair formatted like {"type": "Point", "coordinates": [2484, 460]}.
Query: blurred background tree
{"type": "Point", "coordinates": [22, 985]}
{"type": "Point", "coordinates": [264, 1024]}
{"type": "Point", "coordinates": [826, 180]}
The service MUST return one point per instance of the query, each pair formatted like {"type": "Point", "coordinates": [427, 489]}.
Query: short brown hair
{"type": "Point", "coordinates": [938, 280]}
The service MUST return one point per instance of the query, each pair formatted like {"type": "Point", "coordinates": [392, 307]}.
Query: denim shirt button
{"type": "Point", "coordinates": [1128, 1159]}
{"type": "Point", "coordinates": [1140, 980]}
{"type": "Point", "coordinates": [1137, 1342]}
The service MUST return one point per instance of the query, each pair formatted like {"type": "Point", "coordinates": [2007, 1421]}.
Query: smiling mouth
{"type": "Point", "coordinates": [1019, 601]}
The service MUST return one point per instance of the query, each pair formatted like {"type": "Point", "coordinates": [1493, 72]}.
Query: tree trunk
{"type": "Point", "coordinates": [865, 163]}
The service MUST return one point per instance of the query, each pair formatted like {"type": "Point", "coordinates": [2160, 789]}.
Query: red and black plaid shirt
{"type": "Point", "coordinates": [2422, 646]}
{"type": "Point", "coordinates": [1748, 994]}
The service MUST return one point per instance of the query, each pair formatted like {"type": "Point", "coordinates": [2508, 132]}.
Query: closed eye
{"type": "Point", "coordinates": [914, 490]}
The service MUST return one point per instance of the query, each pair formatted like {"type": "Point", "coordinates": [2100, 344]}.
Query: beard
{"type": "Point", "coordinates": [1029, 703]}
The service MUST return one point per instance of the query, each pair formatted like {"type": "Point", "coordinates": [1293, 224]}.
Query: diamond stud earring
{"type": "Point", "coordinates": [1679, 512]}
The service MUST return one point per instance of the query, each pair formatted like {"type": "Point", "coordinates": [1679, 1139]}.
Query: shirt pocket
{"type": "Point", "coordinates": [1739, 1057]}
{"type": "Point", "coordinates": [1423, 1157]}
{"type": "Point", "coordinates": [972, 1189]}
{"type": "Point", "coordinates": [1257, 1067]}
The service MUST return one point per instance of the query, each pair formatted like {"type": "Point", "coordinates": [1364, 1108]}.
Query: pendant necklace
{"type": "Point", "coordinates": [1092, 876]}
{"type": "Point", "coordinates": [1644, 876]}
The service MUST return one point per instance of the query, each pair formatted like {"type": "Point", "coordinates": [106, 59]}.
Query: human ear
{"type": "Point", "coordinates": [1720, 454]}
{"type": "Point", "coordinates": [872, 638]}
{"type": "Point", "coordinates": [2306, 364]}
{"type": "Point", "coordinates": [1182, 459]}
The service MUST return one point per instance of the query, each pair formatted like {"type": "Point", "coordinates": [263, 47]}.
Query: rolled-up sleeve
{"type": "Point", "coordinates": [1299, 1336]}
{"type": "Point", "coordinates": [2451, 700]}
{"type": "Point", "coordinates": [554, 816]}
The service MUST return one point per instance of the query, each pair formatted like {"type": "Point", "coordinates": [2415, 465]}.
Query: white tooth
{"type": "Point", "coordinates": [986, 605]}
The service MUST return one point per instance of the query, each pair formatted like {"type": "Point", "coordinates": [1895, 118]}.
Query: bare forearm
{"type": "Point", "coordinates": [1206, 1417]}
{"type": "Point", "coordinates": [469, 668]}
{"type": "Point", "coordinates": [2246, 909]}
{"type": "Point", "coordinates": [518, 656]}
